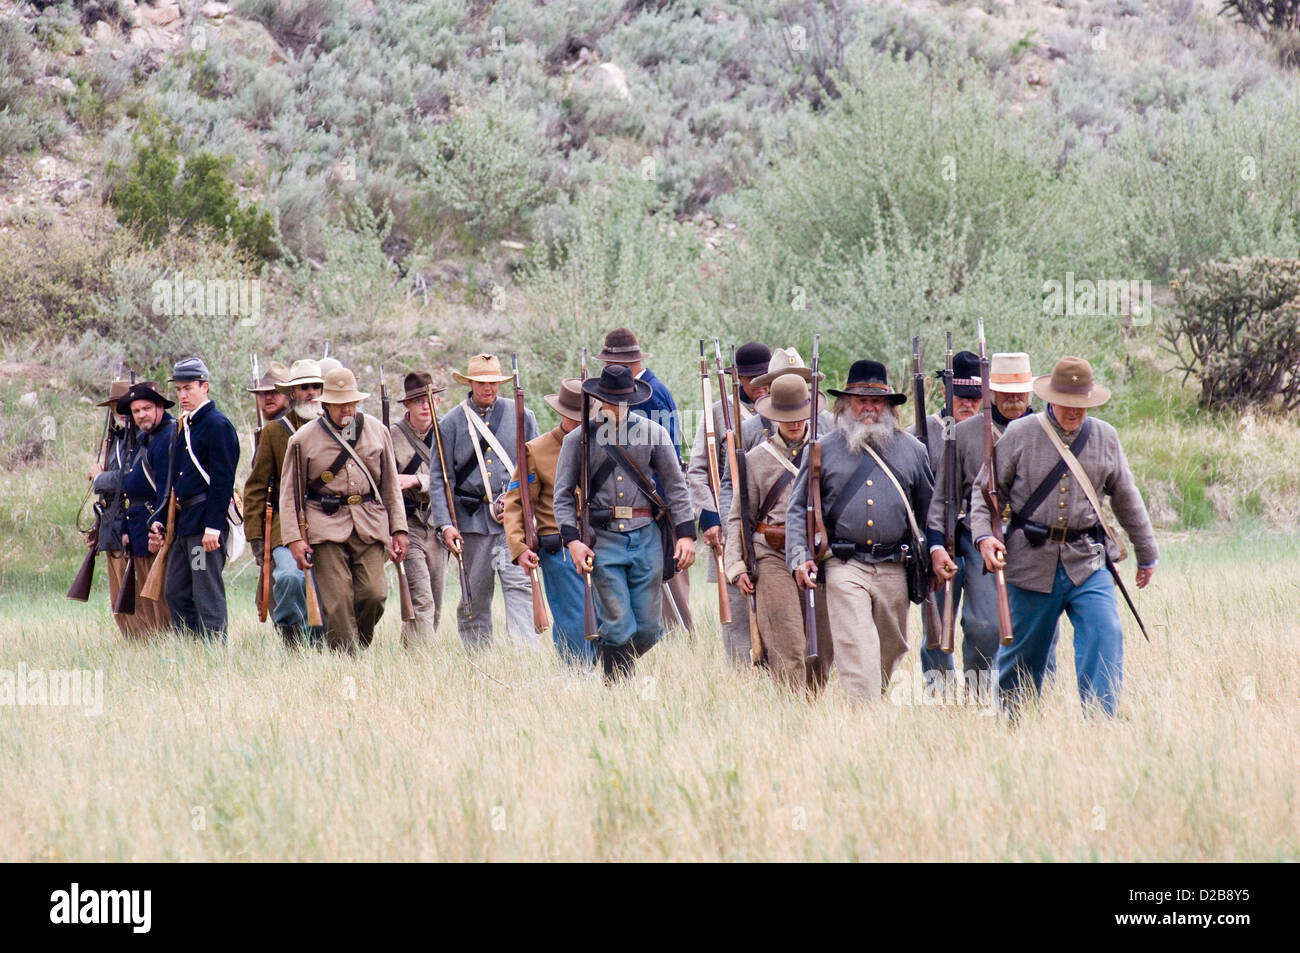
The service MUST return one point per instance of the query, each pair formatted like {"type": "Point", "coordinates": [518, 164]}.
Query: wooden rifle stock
{"type": "Point", "coordinates": [124, 604]}
{"type": "Point", "coordinates": [814, 527]}
{"type": "Point", "coordinates": [80, 588]}
{"type": "Point", "coordinates": [952, 490]}
{"type": "Point", "coordinates": [450, 498]}
{"type": "Point", "coordinates": [590, 626]}
{"type": "Point", "coordinates": [153, 583]}
{"type": "Point", "coordinates": [990, 492]}
{"type": "Point", "coordinates": [731, 419]}
{"type": "Point", "coordinates": [264, 574]}
{"type": "Point", "coordinates": [933, 623]}
{"type": "Point", "coordinates": [315, 613]}
{"type": "Point", "coordinates": [541, 619]}
{"type": "Point", "coordinates": [715, 482]}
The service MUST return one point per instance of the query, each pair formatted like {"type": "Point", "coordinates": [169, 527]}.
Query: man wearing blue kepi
{"type": "Point", "coordinates": [564, 587]}
{"type": "Point", "coordinates": [1053, 470]}
{"type": "Point", "coordinates": [201, 471]}
{"type": "Point", "coordinates": [626, 452]}
{"type": "Point", "coordinates": [622, 347]}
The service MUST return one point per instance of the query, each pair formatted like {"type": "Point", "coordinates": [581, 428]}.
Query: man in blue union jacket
{"type": "Point", "coordinates": [201, 470]}
{"type": "Point", "coordinates": [146, 471]}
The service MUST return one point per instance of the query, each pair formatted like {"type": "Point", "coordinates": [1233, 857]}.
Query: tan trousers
{"type": "Point", "coordinates": [426, 569]}
{"type": "Point", "coordinates": [150, 617]}
{"type": "Point", "coordinates": [353, 589]}
{"type": "Point", "coordinates": [868, 609]}
{"type": "Point", "coordinates": [780, 625]}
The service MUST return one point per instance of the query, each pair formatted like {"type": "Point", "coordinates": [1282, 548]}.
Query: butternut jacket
{"type": "Point", "coordinates": [410, 461]}
{"type": "Point", "coordinates": [543, 456]}
{"type": "Point", "coordinates": [264, 479]}
{"type": "Point", "coordinates": [762, 472]}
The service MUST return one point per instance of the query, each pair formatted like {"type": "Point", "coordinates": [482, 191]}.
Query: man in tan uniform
{"type": "Point", "coordinates": [354, 510]}
{"type": "Point", "coordinates": [770, 470]}
{"type": "Point", "coordinates": [426, 557]}
{"type": "Point", "coordinates": [564, 585]}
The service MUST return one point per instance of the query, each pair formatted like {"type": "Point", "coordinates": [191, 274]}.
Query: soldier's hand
{"type": "Point", "coordinates": [256, 546]}
{"type": "Point", "coordinates": [211, 540]}
{"type": "Point", "coordinates": [397, 546]}
{"type": "Point", "coordinates": [685, 553]}
{"type": "Point", "coordinates": [528, 560]}
{"type": "Point", "coordinates": [713, 537]}
{"type": "Point", "coordinates": [451, 539]}
{"type": "Point", "coordinates": [806, 575]}
{"type": "Point", "coordinates": [745, 584]}
{"type": "Point", "coordinates": [301, 553]}
{"type": "Point", "coordinates": [407, 481]}
{"type": "Point", "coordinates": [943, 566]}
{"type": "Point", "coordinates": [994, 553]}
{"type": "Point", "coordinates": [96, 470]}
{"type": "Point", "coordinates": [126, 541]}
{"type": "Point", "coordinates": [582, 556]}
{"type": "Point", "coordinates": [1144, 576]}
{"type": "Point", "coordinates": [155, 537]}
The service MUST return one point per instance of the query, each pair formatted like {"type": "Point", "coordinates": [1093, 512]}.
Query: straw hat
{"type": "Point", "coordinates": [484, 368]}
{"type": "Point", "coordinates": [1009, 373]}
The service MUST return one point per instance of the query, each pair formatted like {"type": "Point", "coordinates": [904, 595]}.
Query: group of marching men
{"type": "Point", "coordinates": [815, 546]}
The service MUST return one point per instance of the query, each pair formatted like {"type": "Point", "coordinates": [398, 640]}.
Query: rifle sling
{"type": "Point", "coordinates": [1043, 489]}
{"type": "Point", "coordinates": [859, 476]}
{"type": "Point", "coordinates": [769, 500]}
{"type": "Point", "coordinates": [348, 451]}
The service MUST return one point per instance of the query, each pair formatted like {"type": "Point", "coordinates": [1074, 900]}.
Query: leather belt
{"type": "Point", "coordinates": [354, 500]}
{"type": "Point", "coordinates": [191, 501]}
{"type": "Point", "coordinates": [846, 549]}
{"type": "Point", "coordinates": [130, 504]}
{"type": "Point", "coordinates": [1037, 533]}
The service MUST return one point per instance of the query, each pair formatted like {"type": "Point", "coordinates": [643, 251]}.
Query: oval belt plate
{"type": "Point", "coordinates": [354, 500]}
{"type": "Point", "coordinates": [327, 476]}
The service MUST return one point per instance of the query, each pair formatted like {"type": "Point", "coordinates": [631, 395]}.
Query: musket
{"type": "Point", "coordinates": [383, 395]}
{"type": "Point", "coordinates": [736, 462]}
{"type": "Point", "coordinates": [541, 620]}
{"type": "Point", "coordinates": [124, 604]}
{"type": "Point", "coordinates": [715, 481]}
{"type": "Point", "coordinates": [403, 586]}
{"type": "Point", "coordinates": [81, 582]}
{"type": "Point", "coordinates": [451, 500]}
{"type": "Point", "coordinates": [590, 627]}
{"type": "Point", "coordinates": [814, 528]}
{"type": "Point", "coordinates": [315, 613]}
{"type": "Point", "coordinates": [153, 583]}
{"type": "Point", "coordinates": [952, 490]}
{"type": "Point", "coordinates": [931, 610]}
{"type": "Point", "coordinates": [257, 406]}
{"type": "Point", "coordinates": [990, 492]}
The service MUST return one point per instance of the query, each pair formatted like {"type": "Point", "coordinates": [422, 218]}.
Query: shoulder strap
{"type": "Point", "coordinates": [1049, 482]}
{"type": "Point", "coordinates": [855, 481]}
{"type": "Point", "coordinates": [1076, 468]}
{"type": "Point", "coordinates": [287, 424]}
{"type": "Point", "coordinates": [639, 478]}
{"type": "Point", "coordinates": [911, 517]}
{"type": "Point", "coordinates": [347, 447]}
{"type": "Point", "coordinates": [765, 510]}
{"type": "Point", "coordinates": [780, 458]}
{"type": "Point", "coordinates": [421, 448]}
{"type": "Point", "coordinates": [189, 448]}
{"type": "Point", "coordinates": [486, 433]}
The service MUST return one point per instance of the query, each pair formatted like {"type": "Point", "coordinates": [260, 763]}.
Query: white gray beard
{"type": "Point", "coordinates": [859, 435]}
{"type": "Point", "coordinates": [307, 409]}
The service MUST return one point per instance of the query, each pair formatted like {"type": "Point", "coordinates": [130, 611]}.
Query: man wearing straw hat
{"type": "Point", "coordinates": [752, 361]}
{"type": "Point", "coordinates": [354, 511]}
{"type": "Point", "coordinates": [626, 453]}
{"type": "Point", "coordinates": [478, 439]}
{"type": "Point", "coordinates": [106, 483]}
{"type": "Point", "coordinates": [1057, 543]}
{"type": "Point", "coordinates": [426, 557]}
{"type": "Point", "coordinates": [874, 482]}
{"type": "Point", "coordinates": [564, 586]}
{"type": "Point", "coordinates": [146, 470]}
{"type": "Point", "coordinates": [301, 386]}
{"type": "Point", "coordinates": [770, 470]}
{"type": "Point", "coordinates": [1011, 383]}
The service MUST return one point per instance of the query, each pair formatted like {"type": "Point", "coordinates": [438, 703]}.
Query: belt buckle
{"type": "Point", "coordinates": [354, 500]}
{"type": "Point", "coordinates": [1052, 535]}
{"type": "Point", "coordinates": [622, 512]}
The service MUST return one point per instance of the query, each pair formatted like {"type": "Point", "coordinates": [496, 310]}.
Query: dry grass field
{"type": "Point", "coordinates": [250, 753]}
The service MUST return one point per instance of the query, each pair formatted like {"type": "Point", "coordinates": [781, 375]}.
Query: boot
{"type": "Point", "coordinates": [617, 662]}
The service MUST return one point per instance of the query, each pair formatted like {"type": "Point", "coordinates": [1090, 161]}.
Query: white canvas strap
{"type": "Point", "coordinates": [1076, 468]}
{"type": "Point", "coordinates": [189, 448]}
{"type": "Point", "coordinates": [911, 517]}
{"type": "Point", "coordinates": [485, 432]}
{"type": "Point", "coordinates": [780, 457]}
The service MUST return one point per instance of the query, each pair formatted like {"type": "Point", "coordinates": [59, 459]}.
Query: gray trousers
{"type": "Point", "coordinates": [195, 589]}
{"type": "Point", "coordinates": [426, 570]}
{"type": "Point", "coordinates": [735, 634]}
{"type": "Point", "coordinates": [487, 556]}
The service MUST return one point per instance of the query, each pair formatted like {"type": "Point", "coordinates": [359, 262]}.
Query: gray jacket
{"type": "Point", "coordinates": [650, 447]}
{"type": "Point", "coordinates": [876, 515]}
{"type": "Point", "coordinates": [933, 439]}
{"type": "Point", "coordinates": [458, 448]}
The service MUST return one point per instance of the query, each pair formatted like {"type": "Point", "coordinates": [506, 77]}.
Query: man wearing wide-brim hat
{"type": "Point", "coordinates": [478, 443]}
{"type": "Point", "coordinates": [869, 526]}
{"type": "Point", "coordinates": [106, 483]}
{"type": "Point", "coordinates": [272, 398]}
{"type": "Point", "coordinates": [564, 586]}
{"type": "Point", "coordinates": [201, 472]}
{"type": "Point", "coordinates": [353, 511]}
{"type": "Point", "coordinates": [967, 401]}
{"type": "Point", "coordinates": [301, 385]}
{"type": "Point", "coordinates": [770, 469]}
{"type": "Point", "coordinates": [752, 360]}
{"type": "Point", "coordinates": [145, 470]}
{"type": "Point", "coordinates": [1057, 545]}
{"type": "Point", "coordinates": [632, 520]}
{"type": "Point", "coordinates": [785, 360]}
{"type": "Point", "coordinates": [975, 592]}
{"type": "Point", "coordinates": [416, 455]}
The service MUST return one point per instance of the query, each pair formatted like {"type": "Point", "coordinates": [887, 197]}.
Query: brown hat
{"type": "Point", "coordinates": [568, 402]}
{"type": "Point", "coordinates": [789, 400]}
{"type": "Point", "coordinates": [341, 388]}
{"type": "Point", "coordinates": [415, 386]}
{"type": "Point", "coordinates": [274, 378]}
{"type": "Point", "coordinates": [115, 390]}
{"type": "Point", "coordinates": [484, 368]}
{"type": "Point", "coordinates": [1071, 385]}
{"type": "Point", "coordinates": [621, 347]}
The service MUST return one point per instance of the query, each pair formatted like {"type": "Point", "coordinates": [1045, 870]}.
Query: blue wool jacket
{"type": "Point", "coordinates": [662, 409]}
{"type": "Point", "coordinates": [145, 474]}
{"type": "Point", "coordinates": [216, 447]}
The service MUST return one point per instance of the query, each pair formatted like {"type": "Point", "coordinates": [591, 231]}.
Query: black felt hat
{"type": "Point", "coordinates": [616, 385]}
{"type": "Point", "coordinates": [868, 379]}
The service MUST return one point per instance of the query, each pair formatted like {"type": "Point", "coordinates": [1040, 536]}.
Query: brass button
{"type": "Point", "coordinates": [871, 523]}
{"type": "Point", "coordinates": [1063, 489]}
{"type": "Point", "coordinates": [869, 483]}
{"type": "Point", "coordinates": [1061, 505]}
{"type": "Point", "coordinates": [620, 493]}
{"type": "Point", "coordinates": [1060, 519]}
{"type": "Point", "coordinates": [326, 476]}
{"type": "Point", "coordinates": [620, 525]}
{"type": "Point", "coordinates": [868, 542]}
{"type": "Point", "coordinates": [871, 502]}
{"type": "Point", "coordinates": [620, 479]}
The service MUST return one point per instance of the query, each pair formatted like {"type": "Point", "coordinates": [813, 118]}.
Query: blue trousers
{"type": "Point", "coordinates": [629, 587]}
{"type": "Point", "coordinates": [289, 588]}
{"type": "Point", "coordinates": [565, 593]}
{"type": "Point", "coordinates": [1098, 638]}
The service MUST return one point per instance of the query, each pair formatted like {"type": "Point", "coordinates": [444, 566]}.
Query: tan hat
{"type": "Point", "coordinates": [328, 364]}
{"type": "Point", "coordinates": [789, 400]}
{"type": "Point", "coordinates": [274, 378]}
{"type": "Point", "coordinates": [1071, 385]}
{"type": "Point", "coordinates": [304, 372]}
{"type": "Point", "coordinates": [568, 402]}
{"type": "Point", "coordinates": [341, 388]}
{"type": "Point", "coordinates": [785, 360]}
{"type": "Point", "coordinates": [484, 368]}
{"type": "Point", "coordinates": [115, 390]}
{"type": "Point", "coordinates": [1009, 373]}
